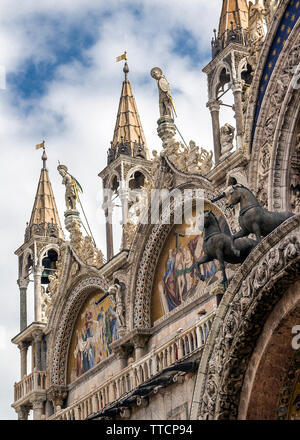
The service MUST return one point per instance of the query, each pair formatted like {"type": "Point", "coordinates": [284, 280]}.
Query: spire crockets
{"type": "Point", "coordinates": [129, 135]}
{"type": "Point", "coordinates": [233, 25]}
{"type": "Point", "coordinates": [44, 218]}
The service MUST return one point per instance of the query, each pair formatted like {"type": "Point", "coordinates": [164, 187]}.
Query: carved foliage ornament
{"type": "Point", "coordinates": [268, 121]}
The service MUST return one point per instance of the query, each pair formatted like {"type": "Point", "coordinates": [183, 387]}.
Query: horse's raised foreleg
{"type": "Point", "coordinates": [204, 259]}
{"type": "Point", "coordinates": [220, 257]}
{"type": "Point", "coordinates": [256, 231]}
{"type": "Point", "coordinates": [234, 250]}
{"type": "Point", "coordinates": [239, 234]}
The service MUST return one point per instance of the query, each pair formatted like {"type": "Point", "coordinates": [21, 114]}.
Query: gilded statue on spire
{"type": "Point", "coordinates": [166, 107]}
{"type": "Point", "coordinates": [68, 181]}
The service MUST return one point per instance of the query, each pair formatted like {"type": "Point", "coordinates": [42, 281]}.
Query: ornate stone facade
{"type": "Point", "coordinates": [211, 352]}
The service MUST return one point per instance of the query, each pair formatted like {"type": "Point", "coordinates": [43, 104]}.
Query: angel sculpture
{"type": "Point", "coordinates": [255, 13]}
{"type": "Point", "coordinates": [269, 9]}
{"type": "Point", "coordinates": [165, 100]}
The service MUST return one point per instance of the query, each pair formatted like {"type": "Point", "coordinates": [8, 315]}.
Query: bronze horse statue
{"type": "Point", "coordinates": [253, 217]}
{"type": "Point", "coordinates": [220, 246]}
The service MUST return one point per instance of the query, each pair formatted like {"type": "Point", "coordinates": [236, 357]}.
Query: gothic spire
{"type": "Point", "coordinates": [234, 15]}
{"type": "Point", "coordinates": [128, 135]}
{"type": "Point", "coordinates": [233, 25]}
{"type": "Point", "coordinates": [44, 218]}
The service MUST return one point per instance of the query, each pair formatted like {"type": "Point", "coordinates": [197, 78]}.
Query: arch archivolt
{"type": "Point", "coordinates": [215, 81]}
{"type": "Point", "coordinates": [258, 285]}
{"type": "Point", "coordinates": [271, 358]}
{"type": "Point", "coordinates": [114, 174]}
{"type": "Point", "coordinates": [275, 127]}
{"type": "Point", "coordinates": [63, 324]}
{"type": "Point", "coordinates": [43, 252]}
{"type": "Point", "coordinates": [256, 82]}
{"type": "Point", "coordinates": [242, 66]}
{"type": "Point", "coordinates": [146, 248]}
{"type": "Point", "coordinates": [28, 252]}
{"type": "Point", "coordinates": [141, 169]}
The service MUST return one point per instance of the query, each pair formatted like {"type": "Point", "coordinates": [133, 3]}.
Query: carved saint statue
{"type": "Point", "coordinates": [70, 195]}
{"type": "Point", "coordinates": [46, 304]}
{"type": "Point", "coordinates": [269, 9]}
{"type": "Point", "coordinates": [165, 100]}
{"type": "Point", "coordinates": [205, 159]}
{"type": "Point", "coordinates": [226, 138]}
{"type": "Point", "coordinates": [156, 162]}
{"type": "Point", "coordinates": [256, 12]}
{"type": "Point", "coordinates": [115, 292]}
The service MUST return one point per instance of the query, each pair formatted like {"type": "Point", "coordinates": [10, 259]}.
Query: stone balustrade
{"type": "Point", "coordinates": [179, 347]}
{"type": "Point", "coordinates": [36, 381]}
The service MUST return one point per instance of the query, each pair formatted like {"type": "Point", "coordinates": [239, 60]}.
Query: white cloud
{"type": "Point", "coordinates": [77, 112]}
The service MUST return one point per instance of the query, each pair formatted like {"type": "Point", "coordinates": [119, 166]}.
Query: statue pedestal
{"type": "Point", "coordinates": [166, 129]}
{"type": "Point", "coordinates": [72, 218]}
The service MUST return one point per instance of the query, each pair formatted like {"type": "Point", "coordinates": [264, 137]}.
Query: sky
{"type": "Point", "coordinates": [62, 84]}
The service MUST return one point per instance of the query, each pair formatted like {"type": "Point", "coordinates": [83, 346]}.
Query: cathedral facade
{"type": "Point", "coordinates": [173, 326]}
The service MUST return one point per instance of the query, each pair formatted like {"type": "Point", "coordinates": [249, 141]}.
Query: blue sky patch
{"type": "Point", "coordinates": [65, 46]}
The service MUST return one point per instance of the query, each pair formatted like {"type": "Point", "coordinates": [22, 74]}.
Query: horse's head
{"type": "Point", "coordinates": [233, 196]}
{"type": "Point", "coordinates": [210, 219]}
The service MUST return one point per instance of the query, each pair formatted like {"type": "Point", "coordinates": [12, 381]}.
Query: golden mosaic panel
{"type": "Point", "coordinates": [175, 278]}
{"type": "Point", "coordinates": [95, 329]}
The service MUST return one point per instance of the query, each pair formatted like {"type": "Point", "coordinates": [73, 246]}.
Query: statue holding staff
{"type": "Point", "coordinates": [68, 181]}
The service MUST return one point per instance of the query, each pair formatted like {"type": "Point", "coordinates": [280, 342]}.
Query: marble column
{"type": "Point", "coordinates": [180, 348]}
{"type": "Point", "coordinates": [44, 354]}
{"type": "Point", "coordinates": [124, 197]}
{"type": "Point", "coordinates": [38, 335]}
{"type": "Point", "coordinates": [23, 284]}
{"type": "Point", "coordinates": [214, 107]}
{"type": "Point", "coordinates": [139, 343]}
{"type": "Point", "coordinates": [37, 294]}
{"type": "Point", "coordinates": [23, 347]}
{"type": "Point", "coordinates": [238, 110]}
{"type": "Point", "coordinates": [154, 363]}
{"type": "Point", "coordinates": [199, 341]}
{"type": "Point", "coordinates": [122, 356]}
{"type": "Point", "coordinates": [109, 234]}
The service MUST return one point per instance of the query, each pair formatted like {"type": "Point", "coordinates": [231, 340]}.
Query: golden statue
{"type": "Point", "coordinates": [165, 100]}
{"type": "Point", "coordinates": [70, 195]}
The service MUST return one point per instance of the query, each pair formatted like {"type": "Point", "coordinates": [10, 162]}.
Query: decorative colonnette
{"type": "Point", "coordinates": [62, 336]}
{"type": "Point", "coordinates": [258, 284]}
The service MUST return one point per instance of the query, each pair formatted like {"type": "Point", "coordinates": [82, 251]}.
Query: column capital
{"type": "Point", "coordinates": [23, 345]}
{"type": "Point", "coordinates": [38, 271]}
{"type": "Point", "coordinates": [22, 412]}
{"type": "Point", "coordinates": [23, 283]}
{"type": "Point", "coordinates": [38, 403]}
{"type": "Point", "coordinates": [57, 395]}
{"type": "Point", "coordinates": [122, 352]}
{"type": "Point", "coordinates": [37, 335]}
{"type": "Point", "coordinates": [237, 86]}
{"type": "Point", "coordinates": [213, 105]}
{"type": "Point", "coordinates": [140, 341]}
